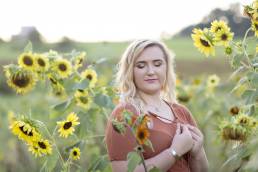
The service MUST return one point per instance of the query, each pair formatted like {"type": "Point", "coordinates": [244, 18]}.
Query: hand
{"type": "Point", "coordinates": [182, 141]}
{"type": "Point", "coordinates": [197, 138]}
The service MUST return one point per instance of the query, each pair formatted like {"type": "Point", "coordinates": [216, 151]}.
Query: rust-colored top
{"type": "Point", "coordinates": [161, 135]}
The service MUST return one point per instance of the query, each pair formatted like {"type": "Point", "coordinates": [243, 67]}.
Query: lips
{"type": "Point", "coordinates": [151, 80]}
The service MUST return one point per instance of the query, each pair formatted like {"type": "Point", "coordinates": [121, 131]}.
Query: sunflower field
{"type": "Point", "coordinates": [55, 117]}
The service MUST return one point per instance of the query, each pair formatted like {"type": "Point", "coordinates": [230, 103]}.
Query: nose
{"type": "Point", "coordinates": [150, 70]}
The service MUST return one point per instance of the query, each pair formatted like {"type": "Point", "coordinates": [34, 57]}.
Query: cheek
{"type": "Point", "coordinates": [138, 76]}
{"type": "Point", "coordinates": [162, 73]}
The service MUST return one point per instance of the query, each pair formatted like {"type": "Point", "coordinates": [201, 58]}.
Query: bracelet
{"type": "Point", "coordinates": [174, 154]}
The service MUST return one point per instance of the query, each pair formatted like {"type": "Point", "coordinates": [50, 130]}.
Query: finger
{"type": "Point", "coordinates": [178, 128]}
{"type": "Point", "coordinates": [195, 130]}
{"type": "Point", "coordinates": [195, 136]}
{"type": "Point", "coordinates": [185, 129]}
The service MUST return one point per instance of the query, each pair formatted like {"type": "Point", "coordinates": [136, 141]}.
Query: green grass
{"type": "Point", "coordinates": [182, 47]}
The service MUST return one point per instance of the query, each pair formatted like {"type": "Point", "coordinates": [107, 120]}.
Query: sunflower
{"type": "Point", "coordinates": [22, 81]}
{"type": "Point", "coordinates": [228, 50]}
{"type": "Point", "coordinates": [233, 132]}
{"type": "Point", "coordinates": [63, 68]}
{"type": "Point", "coordinates": [196, 81]}
{"type": "Point", "coordinates": [91, 76]}
{"type": "Point", "coordinates": [40, 147]}
{"type": "Point", "coordinates": [83, 99]}
{"type": "Point", "coordinates": [75, 153]}
{"type": "Point", "coordinates": [142, 134]}
{"type": "Point", "coordinates": [234, 110]}
{"type": "Point", "coordinates": [223, 37]}
{"type": "Point", "coordinates": [42, 62]}
{"type": "Point", "coordinates": [217, 26]}
{"type": "Point", "coordinates": [203, 41]}
{"type": "Point", "coordinates": [67, 126]}
{"type": "Point", "coordinates": [27, 61]}
{"type": "Point", "coordinates": [78, 62]}
{"type": "Point", "coordinates": [59, 91]}
{"type": "Point", "coordinates": [213, 81]}
{"type": "Point", "coordinates": [244, 120]}
{"type": "Point", "coordinates": [24, 131]}
{"type": "Point", "coordinates": [255, 27]}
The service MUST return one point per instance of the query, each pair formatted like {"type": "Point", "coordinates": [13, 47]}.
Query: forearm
{"type": "Point", "coordinates": [163, 161]}
{"type": "Point", "coordinates": [199, 163]}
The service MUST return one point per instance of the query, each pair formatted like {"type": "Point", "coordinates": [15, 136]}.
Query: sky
{"type": "Point", "coordinates": [104, 20]}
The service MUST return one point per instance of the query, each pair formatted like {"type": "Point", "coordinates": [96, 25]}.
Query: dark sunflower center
{"type": "Point", "coordinates": [205, 43]}
{"type": "Point", "coordinates": [224, 37]}
{"type": "Point", "coordinates": [58, 93]}
{"type": "Point", "coordinates": [80, 61]}
{"type": "Point", "coordinates": [218, 28]}
{"type": "Point", "coordinates": [84, 100]}
{"type": "Point", "coordinates": [41, 63]}
{"type": "Point", "coordinates": [212, 81]}
{"type": "Point", "coordinates": [234, 110]}
{"type": "Point", "coordinates": [24, 132]}
{"type": "Point", "coordinates": [42, 145]}
{"type": "Point", "coordinates": [21, 80]}
{"type": "Point", "coordinates": [53, 81]}
{"type": "Point", "coordinates": [141, 135]}
{"type": "Point", "coordinates": [67, 125]}
{"type": "Point", "coordinates": [256, 26]}
{"type": "Point", "coordinates": [243, 121]}
{"type": "Point", "coordinates": [27, 60]}
{"type": "Point", "coordinates": [74, 153]}
{"type": "Point", "coordinates": [89, 77]}
{"type": "Point", "coordinates": [62, 67]}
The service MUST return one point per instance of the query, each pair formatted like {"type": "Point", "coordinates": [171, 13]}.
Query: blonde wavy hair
{"type": "Point", "coordinates": [124, 80]}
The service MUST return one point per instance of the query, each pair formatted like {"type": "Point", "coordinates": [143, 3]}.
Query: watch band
{"type": "Point", "coordinates": [174, 154]}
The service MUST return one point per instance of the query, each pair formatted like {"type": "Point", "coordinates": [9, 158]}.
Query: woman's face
{"type": "Point", "coordinates": [150, 70]}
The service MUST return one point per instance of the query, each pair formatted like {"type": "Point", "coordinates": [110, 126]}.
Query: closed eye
{"type": "Point", "coordinates": [158, 63]}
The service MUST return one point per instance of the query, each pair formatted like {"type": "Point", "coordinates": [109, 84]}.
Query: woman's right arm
{"type": "Point", "coordinates": [163, 161]}
{"type": "Point", "coordinates": [181, 143]}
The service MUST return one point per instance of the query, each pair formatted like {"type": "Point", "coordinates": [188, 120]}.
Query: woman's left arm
{"type": "Point", "coordinates": [198, 162]}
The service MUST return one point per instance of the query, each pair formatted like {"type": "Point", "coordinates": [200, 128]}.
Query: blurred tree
{"type": "Point", "coordinates": [233, 16]}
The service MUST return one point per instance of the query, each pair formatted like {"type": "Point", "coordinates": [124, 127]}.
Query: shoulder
{"type": "Point", "coordinates": [184, 113]}
{"type": "Point", "coordinates": [181, 107]}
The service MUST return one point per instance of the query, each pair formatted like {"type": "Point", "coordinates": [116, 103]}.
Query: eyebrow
{"type": "Point", "coordinates": [142, 61]}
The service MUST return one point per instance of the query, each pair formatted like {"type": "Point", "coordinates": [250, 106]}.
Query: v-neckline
{"type": "Point", "coordinates": [172, 110]}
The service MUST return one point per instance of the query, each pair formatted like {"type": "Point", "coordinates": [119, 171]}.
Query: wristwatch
{"type": "Point", "coordinates": [174, 154]}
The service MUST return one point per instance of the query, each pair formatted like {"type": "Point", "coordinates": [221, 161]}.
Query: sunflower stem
{"type": "Point", "coordinates": [54, 141]}
{"type": "Point", "coordinates": [244, 47]}
{"type": "Point", "coordinates": [139, 152]}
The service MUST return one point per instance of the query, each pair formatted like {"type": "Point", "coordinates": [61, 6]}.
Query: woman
{"type": "Point", "coordinates": [146, 81]}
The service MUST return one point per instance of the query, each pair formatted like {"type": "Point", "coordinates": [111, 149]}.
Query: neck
{"type": "Point", "coordinates": [150, 99]}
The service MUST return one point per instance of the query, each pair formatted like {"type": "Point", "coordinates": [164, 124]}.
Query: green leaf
{"type": "Point", "coordinates": [148, 143]}
{"type": "Point", "coordinates": [237, 71]}
{"type": "Point", "coordinates": [133, 160]}
{"type": "Point", "coordinates": [103, 100]}
{"type": "Point", "coordinates": [28, 47]}
{"type": "Point", "coordinates": [240, 83]}
{"type": "Point", "coordinates": [81, 85]}
{"type": "Point", "coordinates": [236, 61]}
{"type": "Point", "coordinates": [254, 79]}
{"type": "Point", "coordinates": [99, 164]}
{"type": "Point", "coordinates": [62, 106]}
{"type": "Point", "coordinates": [155, 169]}
{"type": "Point", "coordinates": [52, 160]}
{"type": "Point", "coordinates": [250, 96]}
